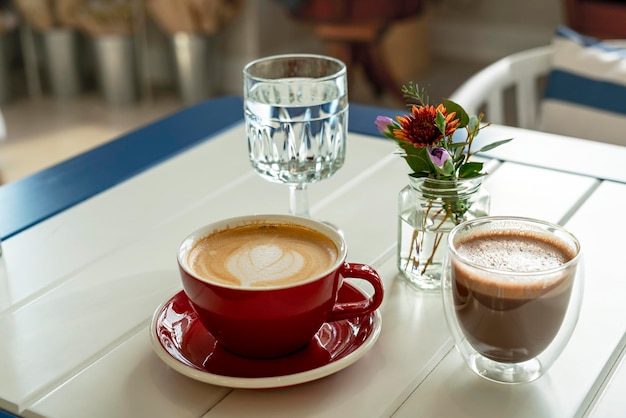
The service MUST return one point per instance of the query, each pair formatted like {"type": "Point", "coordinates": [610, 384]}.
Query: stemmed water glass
{"type": "Point", "coordinates": [296, 115]}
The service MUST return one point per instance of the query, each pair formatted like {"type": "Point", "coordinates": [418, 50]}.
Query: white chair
{"type": "Point", "coordinates": [510, 92]}
{"type": "Point", "coordinates": [3, 128]}
{"type": "Point", "coordinates": [521, 74]}
{"type": "Point", "coordinates": [3, 136]}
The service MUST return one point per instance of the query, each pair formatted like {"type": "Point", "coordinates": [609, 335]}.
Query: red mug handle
{"type": "Point", "coordinates": [363, 307]}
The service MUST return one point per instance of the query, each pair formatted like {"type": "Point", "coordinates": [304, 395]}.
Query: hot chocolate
{"type": "Point", "coordinates": [507, 311]}
{"type": "Point", "coordinates": [262, 255]}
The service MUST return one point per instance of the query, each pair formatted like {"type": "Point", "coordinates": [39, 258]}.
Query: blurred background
{"type": "Point", "coordinates": [77, 73]}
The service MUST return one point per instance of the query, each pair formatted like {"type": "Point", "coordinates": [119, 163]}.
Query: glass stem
{"type": "Point", "coordinates": [299, 200]}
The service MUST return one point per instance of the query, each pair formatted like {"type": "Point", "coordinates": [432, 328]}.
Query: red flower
{"type": "Point", "coordinates": [419, 127]}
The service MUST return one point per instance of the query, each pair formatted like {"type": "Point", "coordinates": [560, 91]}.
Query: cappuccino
{"type": "Point", "coordinates": [512, 305]}
{"type": "Point", "coordinates": [262, 255]}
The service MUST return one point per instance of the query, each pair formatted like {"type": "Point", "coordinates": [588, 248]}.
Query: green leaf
{"type": "Point", "coordinates": [418, 159]}
{"type": "Point", "coordinates": [420, 174]}
{"type": "Point", "coordinates": [461, 114]}
{"type": "Point", "coordinates": [440, 121]}
{"type": "Point", "coordinates": [494, 144]}
{"type": "Point", "coordinates": [447, 169]}
{"type": "Point", "coordinates": [473, 124]}
{"type": "Point", "coordinates": [469, 170]}
{"type": "Point", "coordinates": [413, 95]}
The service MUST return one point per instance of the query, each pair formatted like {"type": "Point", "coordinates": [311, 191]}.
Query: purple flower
{"type": "Point", "coordinates": [438, 156]}
{"type": "Point", "coordinates": [382, 123]}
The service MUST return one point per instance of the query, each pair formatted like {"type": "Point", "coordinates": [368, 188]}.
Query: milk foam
{"type": "Point", "coordinates": [264, 263]}
{"type": "Point", "coordinates": [262, 255]}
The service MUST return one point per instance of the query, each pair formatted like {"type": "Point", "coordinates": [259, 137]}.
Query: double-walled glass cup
{"type": "Point", "coordinates": [512, 290]}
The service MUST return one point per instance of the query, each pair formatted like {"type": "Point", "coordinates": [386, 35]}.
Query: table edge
{"type": "Point", "coordinates": [35, 198]}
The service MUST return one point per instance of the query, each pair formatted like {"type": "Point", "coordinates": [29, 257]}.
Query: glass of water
{"type": "Point", "coordinates": [296, 115]}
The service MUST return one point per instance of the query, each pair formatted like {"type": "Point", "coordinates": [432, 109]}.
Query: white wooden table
{"type": "Point", "coordinates": [89, 253]}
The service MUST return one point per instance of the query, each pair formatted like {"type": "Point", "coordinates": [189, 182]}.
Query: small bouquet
{"type": "Point", "coordinates": [444, 185]}
{"type": "Point", "coordinates": [425, 137]}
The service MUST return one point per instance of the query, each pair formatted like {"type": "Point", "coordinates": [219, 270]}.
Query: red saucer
{"type": "Point", "coordinates": [181, 341]}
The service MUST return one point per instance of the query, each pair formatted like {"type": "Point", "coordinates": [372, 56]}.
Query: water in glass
{"type": "Point", "coordinates": [297, 129]}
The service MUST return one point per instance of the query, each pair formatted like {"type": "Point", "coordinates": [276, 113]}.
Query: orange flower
{"type": "Point", "coordinates": [419, 127]}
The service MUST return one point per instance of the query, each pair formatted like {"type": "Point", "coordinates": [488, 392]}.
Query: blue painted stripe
{"type": "Point", "coordinates": [362, 118]}
{"type": "Point", "coordinates": [28, 201]}
{"type": "Point", "coordinates": [4, 414]}
{"type": "Point", "coordinates": [587, 41]}
{"type": "Point", "coordinates": [603, 95]}
{"type": "Point", "coordinates": [568, 33]}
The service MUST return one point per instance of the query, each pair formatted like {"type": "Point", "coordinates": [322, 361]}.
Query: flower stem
{"type": "Point", "coordinates": [417, 238]}
{"type": "Point", "coordinates": [438, 238]}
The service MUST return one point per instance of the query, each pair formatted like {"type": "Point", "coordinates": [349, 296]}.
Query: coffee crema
{"type": "Point", "coordinates": [513, 311]}
{"type": "Point", "coordinates": [262, 255]}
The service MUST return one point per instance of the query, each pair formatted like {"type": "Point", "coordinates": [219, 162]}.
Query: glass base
{"type": "Point", "coordinates": [429, 280]}
{"type": "Point", "coordinates": [512, 373]}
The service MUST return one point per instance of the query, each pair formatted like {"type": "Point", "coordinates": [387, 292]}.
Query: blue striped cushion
{"type": "Point", "coordinates": [586, 90]}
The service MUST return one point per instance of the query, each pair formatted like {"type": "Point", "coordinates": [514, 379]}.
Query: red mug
{"type": "Point", "coordinates": [273, 319]}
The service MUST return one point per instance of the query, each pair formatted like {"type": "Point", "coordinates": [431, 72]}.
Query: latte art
{"type": "Point", "coordinates": [262, 255]}
{"type": "Point", "coordinates": [265, 263]}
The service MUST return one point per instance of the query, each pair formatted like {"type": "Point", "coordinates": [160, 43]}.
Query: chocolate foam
{"type": "Point", "coordinates": [521, 264]}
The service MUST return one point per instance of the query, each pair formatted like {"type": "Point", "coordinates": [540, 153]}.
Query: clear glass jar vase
{"type": "Point", "coordinates": [428, 209]}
